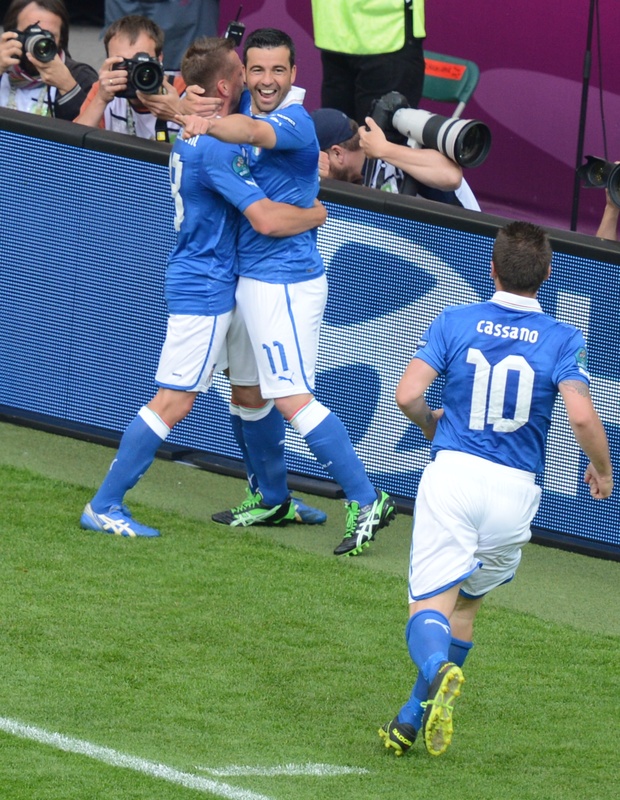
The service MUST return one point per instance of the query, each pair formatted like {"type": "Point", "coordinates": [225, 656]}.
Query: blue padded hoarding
{"type": "Point", "coordinates": [84, 237]}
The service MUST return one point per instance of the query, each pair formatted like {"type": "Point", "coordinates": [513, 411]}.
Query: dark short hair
{"type": "Point", "coordinates": [267, 39]}
{"type": "Point", "coordinates": [56, 7]}
{"type": "Point", "coordinates": [132, 26]}
{"type": "Point", "coordinates": [206, 61]}
{"type": "Point", "coordinates": [521, 257]}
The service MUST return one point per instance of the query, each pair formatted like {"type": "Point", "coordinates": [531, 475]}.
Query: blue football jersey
{"type": "Point", "coordinates": [502, 361]}
{"type": "Point", "coordinates": [288, 173]}
{"type": "Point", "coordinates": [210, 180]}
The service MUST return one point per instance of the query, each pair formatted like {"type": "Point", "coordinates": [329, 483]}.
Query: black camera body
{"type": "Point", "coordinates": [39, 43]}
{"type": "Point", "coordinates": [144, 74]}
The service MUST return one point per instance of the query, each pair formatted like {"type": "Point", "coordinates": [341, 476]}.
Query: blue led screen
{"type": "Point", "coordinates": [84, 237]}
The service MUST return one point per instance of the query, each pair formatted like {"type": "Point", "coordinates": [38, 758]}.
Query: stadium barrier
{"type": "Point", "coordinates": [86, 229]}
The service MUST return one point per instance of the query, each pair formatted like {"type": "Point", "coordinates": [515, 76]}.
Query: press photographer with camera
{"type": "Point", "coordinates": [37, 74]}
{"type": "Point", "coordinates": [364, 155]}
{"type": "Point", "coordinates": [133, 94]}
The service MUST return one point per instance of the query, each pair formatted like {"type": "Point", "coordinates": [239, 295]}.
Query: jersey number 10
{"type": "Point", "coordinates": [489, 392]}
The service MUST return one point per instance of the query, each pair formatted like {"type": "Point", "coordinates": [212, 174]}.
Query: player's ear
{"type": "Point", "coordinates": [223, 88]}
{"type": "Point", "coordinates": [493, 272]}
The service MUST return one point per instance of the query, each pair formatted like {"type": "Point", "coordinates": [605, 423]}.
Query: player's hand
{"type": "Point", "coordinates": [165, 105]}
{"type": "Point", "coordinates": [320, 207]}
{"type": "Point", "coordinates": [372, 139]}
{"type": "Point", "coordinates": [10, 51]}
{"type": "Point", "coordinates": [111, 81]}
{"type": "Point", "coordinates": [193, 125]}
{"type": "Point", "coordinates": [54, 73]}
{"type": "Point", "coordinates": [195, 102]}
{"type": "Point", "coordinates": [600, 486]}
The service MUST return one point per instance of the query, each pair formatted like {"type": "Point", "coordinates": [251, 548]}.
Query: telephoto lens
{"type": "Point", "coordinates": [466, 141]}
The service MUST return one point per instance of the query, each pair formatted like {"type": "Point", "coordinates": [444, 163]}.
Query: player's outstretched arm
{"type": "Point", "coordinates": [410, 397]}
{"type": "Point", "coordinates": [235, 129]}
{"type": "Point", "coordinates": [282, 219]}
{"type": "Point", "coordinates": [590, 435]}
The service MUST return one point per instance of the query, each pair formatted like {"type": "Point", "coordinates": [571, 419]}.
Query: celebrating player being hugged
{"type": "Point", "coordinates": [281, 296]}
{"type": "Point", "coordinates": [504, 362]}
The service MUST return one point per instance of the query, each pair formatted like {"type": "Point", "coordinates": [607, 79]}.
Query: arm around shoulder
{"type": "Point", "coordinates": [241, 129]}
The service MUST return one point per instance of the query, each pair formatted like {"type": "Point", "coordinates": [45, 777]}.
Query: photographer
{"type": "Point", "coordinates": [52, 85]}
{"type": "Point", "coordinates": [350, 152]}
{"type": "Point", "coordinates": [115, 103]}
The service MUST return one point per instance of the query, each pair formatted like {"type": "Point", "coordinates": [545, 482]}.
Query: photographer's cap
{"type": "Point", "coordinates": [332, 127]}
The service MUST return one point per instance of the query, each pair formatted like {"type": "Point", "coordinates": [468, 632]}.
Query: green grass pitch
{"type": "Point", "coordinates": [253, 664]}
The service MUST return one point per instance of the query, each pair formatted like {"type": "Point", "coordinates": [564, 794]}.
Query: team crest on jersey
{"type": "Point", "coordinates": [240, 166]}
{"type": "Point", "coordinates": [581, 357]}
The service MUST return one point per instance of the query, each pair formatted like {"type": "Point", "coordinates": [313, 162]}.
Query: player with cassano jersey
{"type": "Point", "coordinates": [504, 362]}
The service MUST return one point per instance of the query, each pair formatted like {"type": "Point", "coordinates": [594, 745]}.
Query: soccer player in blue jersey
{"type": "Point", "coordinates": [213, 189]}
{"type": "Point", "coordinates": [504, 362]}
{"type": "Point", "coordinates": [282, 289]}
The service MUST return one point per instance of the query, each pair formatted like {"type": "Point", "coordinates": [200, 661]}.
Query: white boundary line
{"type": "Point", "coordinates": [116, 759]}
{"type": "Point", "coordinates": [313, 770]}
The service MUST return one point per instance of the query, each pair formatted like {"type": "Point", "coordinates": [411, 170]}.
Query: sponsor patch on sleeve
{"type": "Point", "coordinates": [581, 358]}
{"type": "Point", "coordinates": [240, 166]}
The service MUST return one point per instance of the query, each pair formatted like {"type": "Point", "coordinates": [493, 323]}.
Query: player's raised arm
{"type": "Point", "coordinates": [410, 396]}
{"type": "Point", "coordinates": [235, 128]}
{"type": "Point", "coordinates": [590, 435]}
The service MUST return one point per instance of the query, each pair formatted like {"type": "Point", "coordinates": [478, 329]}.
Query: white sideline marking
{"type": "Point", "coordinates": [116, 759]}
{"type": "Point", "coordinates": [315, 770]}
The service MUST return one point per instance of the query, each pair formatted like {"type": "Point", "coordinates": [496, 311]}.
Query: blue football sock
{"type": "Point", "coordinates": [458, 651]}
{"type": "Point", "coordinates": [428, 639]}
{"type": "Point", "coordinates": [264, 440]}
{"type": "Point", "coordinates": [136, 452]}
{"type": "Point", "coordinates": [237, 429]}
{"type": "Point", "coordinates": [412, 712]}
{"type": "Point", "coordinates": [329, 441]}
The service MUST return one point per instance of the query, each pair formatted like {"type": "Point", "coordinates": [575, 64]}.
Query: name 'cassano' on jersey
{"type": "Point", "coordinates": [507, 331]}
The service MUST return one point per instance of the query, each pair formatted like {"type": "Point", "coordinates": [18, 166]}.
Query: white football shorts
{"type": "Point", "coordinates": [283, 322]}
{"type": "Point", "coordinates": [471, 519]}
{"type": "Point", "coordinates": [237, 355]}
{"type": "Point", "coordinates": [191, 351]}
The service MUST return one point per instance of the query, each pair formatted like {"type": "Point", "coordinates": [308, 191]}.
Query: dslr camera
{"type": "Point", "coordinates": [39, 43]}
{"type": "Point", "coordinates": [597, 173]}
{"type": "Point", "coordinates": [144, 74]}
{"type": "Point", "coordinates": [465, 141]}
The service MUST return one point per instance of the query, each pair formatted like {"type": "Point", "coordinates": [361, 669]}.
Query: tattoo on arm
{"type": "Point", "coordinates": [579, 387]}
